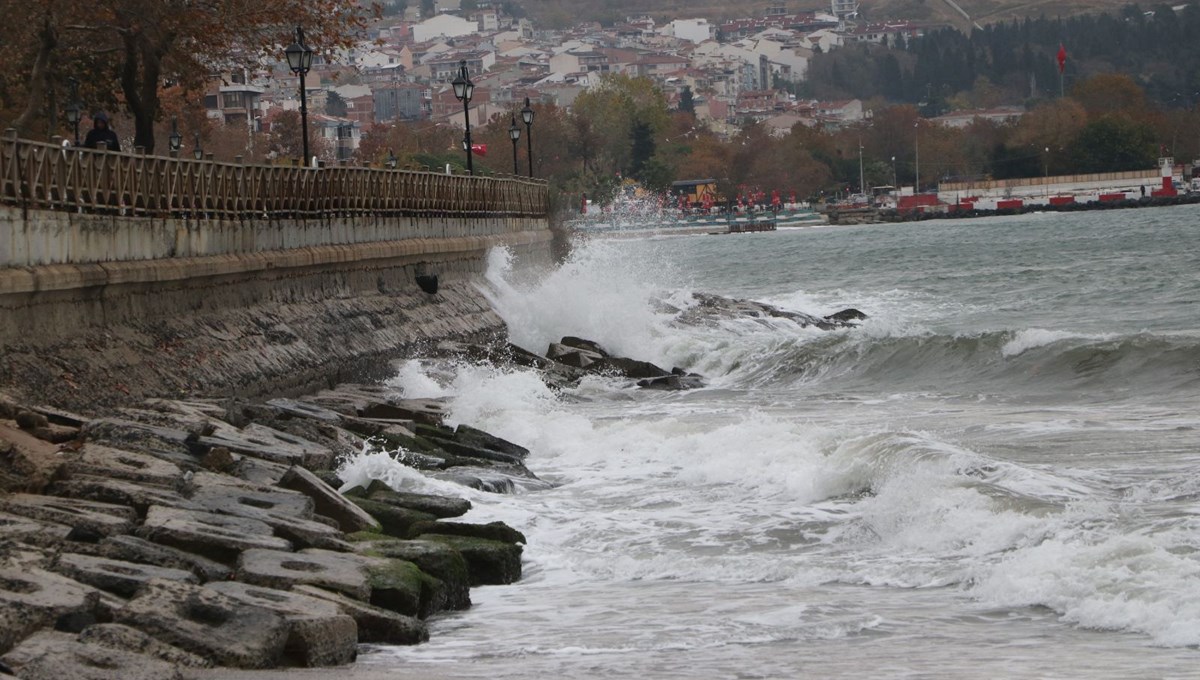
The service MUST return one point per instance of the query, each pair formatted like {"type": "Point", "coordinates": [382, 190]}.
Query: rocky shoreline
{"type": "Point", "coordinates": [160, 538]}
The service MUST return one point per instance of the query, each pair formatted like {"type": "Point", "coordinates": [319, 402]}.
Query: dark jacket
{"type": "Point", "coordinates": [100, 132]}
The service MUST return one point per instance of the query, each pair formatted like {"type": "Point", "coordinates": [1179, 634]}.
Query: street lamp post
{"type": "Point", "coordinates": [917, 159]}
{"type": "Point", "coordinates": [175, 141]}
{"type": "Point", "coordinates": [895, 178]}
{"type": "Point", "coordinates": [197, 150]}
{"type": "Point", "coordinates": [1047, 188]}
{"type": "Point", "coordinates": [299, 59]}
{"type": "Point", "coordinates": [391, 160]}
{"type": "Point", "coordinates": [74, 108]}
{"type": "Point", "coordinates": [514, 133]}
{"type": "Point", "coordinates": [463, 90]}
{"type": "Point", "coordinates": [862, 185]}
{"type": "Point", "coordinates": [527, 118]}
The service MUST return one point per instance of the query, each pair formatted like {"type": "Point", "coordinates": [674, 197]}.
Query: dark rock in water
{"type": "Point", "coordinates": [673, 382]}
{"type": "Point", "coordinates": [490, 562]}
{"type": "Point", "coordinates": [585, 345]}
{"type": "Point", "coordinates": [495, 479]}
{"type": "Point", "coordinates": [630, 368]}
{"type": "Point", "coordinates": [471, 435]}
{"type": "Point", "coordinates": [429, 411]}
{"type": "Point", "coordinates": [570, 356]}
{"type": "Point", "coordinates": [496, 531]}
{"type": "Point", "coordinates": [712, 308]}
{"type": "Point", "coordinates": [846, 316]}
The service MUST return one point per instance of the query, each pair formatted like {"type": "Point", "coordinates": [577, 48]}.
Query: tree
{"type": "Point", "coordinates": [335, 106]}
{"type": "Point", "coordinates": [145, 45]}
{"type": "Point", "coordinates": [612, 109]}
{"type": "Point", "coordinates": [687, 101]}
{"type": "Point", "coordinates": [1113, 144]}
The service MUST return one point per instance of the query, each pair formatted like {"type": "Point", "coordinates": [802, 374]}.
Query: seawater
{"type": "Point", "coordinates": [996, 475]}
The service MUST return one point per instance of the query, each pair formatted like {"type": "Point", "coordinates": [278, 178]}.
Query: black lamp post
{"type": "Point", "coordinates": [514, 133]}
{"type": "Point", "coordinates": [463, 90]}
{"type": "Point", "coordinates": [391, 160]}
{"type": "Point", "coordinates": [197, 151]}
{"type": "Point", "coordinates": [299, 59]}
{"type": "Point", "coordinates": [175, 141]}
{"type": "Point", "coordinates": [527, 117]}
{"type": "Point", "coordinates": [74, 108]}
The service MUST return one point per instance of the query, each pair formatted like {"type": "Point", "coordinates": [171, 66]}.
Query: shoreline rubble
{"type": "Point", "coordinates": [169, 536]}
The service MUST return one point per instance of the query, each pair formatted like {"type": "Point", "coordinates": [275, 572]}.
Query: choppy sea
{"type": "Point", "coordinates": [997, 475]}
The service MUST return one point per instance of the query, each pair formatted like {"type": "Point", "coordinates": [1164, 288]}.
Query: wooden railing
{"type": "Point", "coordinates": [44, 176]}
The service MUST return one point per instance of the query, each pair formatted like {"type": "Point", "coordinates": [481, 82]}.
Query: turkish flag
{"type": "Point", "coordinates": [479, 149]}
{"type": "Point", "coordinates": [1062, 58]}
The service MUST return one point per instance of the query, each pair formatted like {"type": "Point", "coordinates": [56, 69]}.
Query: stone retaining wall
{"type": "Point", "coordinates": [118, 315]}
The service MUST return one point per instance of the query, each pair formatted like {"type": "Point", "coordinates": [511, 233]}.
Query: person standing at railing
{"type": "Point", "coordinates": [101, 132]}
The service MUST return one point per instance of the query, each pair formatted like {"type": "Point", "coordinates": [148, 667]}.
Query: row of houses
{"type": "Point", "coordinates": [737, 71]}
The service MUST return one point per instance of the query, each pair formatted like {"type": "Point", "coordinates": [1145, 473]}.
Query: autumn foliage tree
{"type": "Point", "coordinates": [128, 50]}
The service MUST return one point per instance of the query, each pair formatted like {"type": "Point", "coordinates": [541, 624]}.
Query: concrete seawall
{"type": "Point", "coordinates": [107, 309]}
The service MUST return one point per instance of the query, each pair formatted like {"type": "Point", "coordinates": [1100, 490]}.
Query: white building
{"type": "Point", "coordinates": [691, 30]}
{"type": "Point", "coordinates": [843, 8]}
{"type": "Point", "coordinates": [443, 26]}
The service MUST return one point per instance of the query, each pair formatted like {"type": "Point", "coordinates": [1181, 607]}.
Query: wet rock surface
{"type": "Point", "coordinates": [176, 533]}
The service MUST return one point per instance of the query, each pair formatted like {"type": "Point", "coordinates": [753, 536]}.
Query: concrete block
{"type": "Point", "coordinates": [32, 598]}
{"type": "Point", "coordinates": [27, 464]}
{"type": "Point", "coordinates": [18, 528]}
{"type": "Point", "coordinates": [207, 623]}
{"type": "Point", "coordinates": [277, 569]}
{"type": "Point", "coordinates": [439, 560]}
{"type": "Point", "coordinates": [56, 656]}
{"type": "Point", "coordinates": [375, 624]}
{"type": "Point", "coordinates": [117, 636]}
{"type": "Point", "coordinates": [441, 507]}
{"type": "Point", "coordinates": [320, 634]}
{"type": "Point", "coordinates": [215, 492]}
{"type": "Point", "coordinates": [273, 445]}
{"type": "Point", "coordinates": [328, 501]}
{"type": "Point", "coordinates": [119, 492]}
{"type": "Point", "coordinates": [89, 517]}
{"type": "Point", "coordinates": [217, 537]}
{"type": "Point", "coordinates": [116, 576]}
{"type": "Point", "coordinates": [94, 459]}
{"type": "Point", "coordinates": [490, 562]}
{"type": "Point", "coordinates": [429, 411]}
{"type": "Point", "coordinates": [134, 549]}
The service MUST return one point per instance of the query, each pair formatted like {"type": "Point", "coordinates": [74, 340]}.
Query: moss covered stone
{"type": "Point", "coordinates": [496, 531]}
{"type": "Point", "coordinates": [393, 520]}
{"type": "Point", "coordinates": [490, 562]}
{"type": "Point", "coordinates": [439, 560]}
{"type": "Point", "coordinates": [400, 586]}
{"type": "Point", "coordinates": [439, 506]}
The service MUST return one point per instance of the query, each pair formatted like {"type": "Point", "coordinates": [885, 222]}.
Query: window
{"type": "Point", "coordinates": [232, 100]}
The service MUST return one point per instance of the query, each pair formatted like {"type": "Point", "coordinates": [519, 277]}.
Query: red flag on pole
{"type": "Point", "coordinates": [1062, 58]}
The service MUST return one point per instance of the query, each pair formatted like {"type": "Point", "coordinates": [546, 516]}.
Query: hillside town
{"type": "Point", "coordinates": [732, 73]}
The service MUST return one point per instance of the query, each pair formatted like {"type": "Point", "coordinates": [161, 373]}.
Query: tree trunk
{"type": "Point", "coordinates": [139, 82]}
{"type": "Point", "coordinates": [37, 79]}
